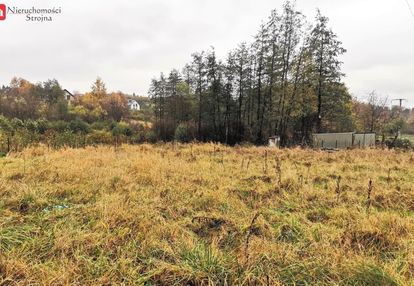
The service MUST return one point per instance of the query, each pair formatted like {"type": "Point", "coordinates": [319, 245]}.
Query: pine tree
{"type": "Point", "coordinates": [326, 50]}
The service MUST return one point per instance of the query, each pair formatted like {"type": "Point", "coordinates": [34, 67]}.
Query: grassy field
{"type": "Point", "coordinates": [206, 215]}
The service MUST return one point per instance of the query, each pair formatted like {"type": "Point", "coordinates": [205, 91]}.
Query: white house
{"type": "Point", "coordinates": [68, 96]}
{"type": "Point", "coordinates": [133, 104]}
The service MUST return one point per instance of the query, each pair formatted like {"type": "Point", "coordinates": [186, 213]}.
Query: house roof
{"type": "Point", "coordinates": [68, 92]}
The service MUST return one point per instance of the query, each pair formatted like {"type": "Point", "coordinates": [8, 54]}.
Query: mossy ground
{"type": "Point", "coordinates": [206, 214]}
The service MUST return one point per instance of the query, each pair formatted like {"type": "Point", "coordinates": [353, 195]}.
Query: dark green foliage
{"type": "Point", "coordinates": [119, 129]}
{"type": "Point", "coordinates": [41, 126]}
{"type": "Point", "coordinates": [79, 126]}
{"type": "Point", "coordinates": [150, 137]}
{"type": "Point", "coordinates": [399, 143]}
{"type": "Point", "coordinates": [59, 126]}
{"type": "Point", "coordinates": [182, 134]}
{"type": "Point", "coordinates": [98, 125]}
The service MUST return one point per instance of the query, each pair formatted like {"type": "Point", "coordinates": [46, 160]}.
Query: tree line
{"type": "Point", "coordinates": [40, 113]}
{"type": "Point", "coordinates": [287, 82]}
{"type": "Point", "coordinates": [25, 100]}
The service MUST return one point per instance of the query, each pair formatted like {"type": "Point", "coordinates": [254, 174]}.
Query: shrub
{"type": "Point", "coordinates": [99, 137]}
{"type": "Point", "coordinates": [181, 134]}
{"type": "Point", "coordinates": [79, 126]}
{"type": "Point", "coordinates": [42, 126]}
{"type": "Point", "coordinates": [59, 126]}
{"type": "Point", "coordinates": [401, 143]}
{"type": "Point", "coordinates": [151, 136]}
{"type": "Point", "coordinates": [98, 125]}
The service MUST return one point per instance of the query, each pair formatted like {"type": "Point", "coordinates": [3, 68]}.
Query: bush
{"type": "Point", "coordinates": [98, 125]}
{"type": "Point", "coordinates": [151, 136]}
{"type": "Point", "coordinates": [42, 126]}
{"type": "Point", "coordinates": [399, 143]}
{"type": "Point", "coordinates": [31, 126]}
{"type": "Point", "coordinates": [138, 137]}
{"type": "Point", "coordinates": [181, 134]}
{"type": "Point", "coordinates": [119, 129]}
{"type": "Point", "coordinates": [66, 138]}
{"type": "Point", "coordinates": [100, 137]}
{"type": "Point", "coordinates": [59, 126]}
{"type": "Point", "coordinates": [79, 126]}
{"type": "Point", "coordinates": [126, 130]}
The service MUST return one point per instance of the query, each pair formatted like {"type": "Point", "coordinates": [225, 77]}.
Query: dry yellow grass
{"type": "Point", "coordinates": [206, 215]}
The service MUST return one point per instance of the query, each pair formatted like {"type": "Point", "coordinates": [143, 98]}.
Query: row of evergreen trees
{"type": "Point", "coordinates": [286, 82]}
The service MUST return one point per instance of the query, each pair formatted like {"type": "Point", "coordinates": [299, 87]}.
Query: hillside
{"type": "Point", "coordinates": [206, 215]}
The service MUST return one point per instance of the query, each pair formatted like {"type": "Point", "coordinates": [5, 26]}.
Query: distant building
{"type": "Point", "coordinates": [68, 95]}
{"type": "Point", "coordinates": [133, 104]}
{"type": "Point", "coordinates": [274, 141]}
{"type": "Point", "coordinates": [343, 140]}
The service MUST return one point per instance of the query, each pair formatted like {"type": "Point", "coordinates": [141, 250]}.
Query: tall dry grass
{"type": "Point", "coordinates": [206, 215]}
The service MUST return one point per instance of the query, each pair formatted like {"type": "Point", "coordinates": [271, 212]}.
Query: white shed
{"type": "Point", "coordinates": [333, 140]}
{"type": "Point", "coordinates": [343, 140]}
{"type": "Point", "coordinates": [364, 140]}
{"type": "Point", "coordinates": [133, 105]}
{"type": "Point", "coordinates": [274, 141]}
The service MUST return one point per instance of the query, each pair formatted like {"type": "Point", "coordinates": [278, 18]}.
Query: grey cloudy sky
{"type": "Point", "coordinates": [129, 42]}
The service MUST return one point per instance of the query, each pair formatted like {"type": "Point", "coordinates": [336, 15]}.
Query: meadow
{"type": "Point", "coordinates": [206, 214]}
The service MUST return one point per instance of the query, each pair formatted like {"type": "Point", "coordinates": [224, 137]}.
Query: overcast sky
{"type": "Point", "coordinates": [129, 42]}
